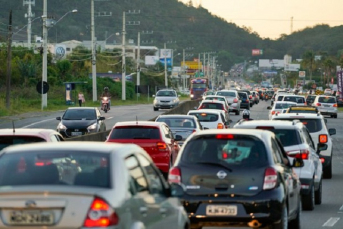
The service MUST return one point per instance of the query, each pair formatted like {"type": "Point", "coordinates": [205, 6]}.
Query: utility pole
{"type": "Point", "coordinates": [165, 67]}
{"type": "Point", "coordinates": [138, 62]}
{"type": "Point", "coordinates": [199, 64]}
{"type": "Point", "coordinates": [93, 46]}
{"type": "Point", "coordinates": [29, 16]}
{"type": "Point", "coordinates": [45, 53]}
{"type": "Point", "coordinates": [9, 60]}
{"type": "Point", "coordinates": [183, 70]}
{"type": "Point", "coordinates": [123, 79]}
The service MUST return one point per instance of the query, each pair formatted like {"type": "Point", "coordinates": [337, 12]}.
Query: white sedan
{"type": "Point", "coordinates": [278, 107]}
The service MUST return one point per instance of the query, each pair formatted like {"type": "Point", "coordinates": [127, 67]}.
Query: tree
{"type": "Point", "coordinates": [63, 66]}
{"type": "Point", "coordinates": [308, 61]}
{"type": "Point", "coordinates": [329, 66]}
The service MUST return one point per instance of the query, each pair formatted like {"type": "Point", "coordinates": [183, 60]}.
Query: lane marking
{"type": "Point", "coordinates": [32, 124]}
{"type": "Point", "coordinates": [331, 222]}
{"type": "Point", "coordinates": [341, 208]}
{"type": "Point", "coordinates": [109, 118]}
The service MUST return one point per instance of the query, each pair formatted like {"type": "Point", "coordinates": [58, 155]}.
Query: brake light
{"type": "Point", "coordinates": [250, 97]}
{"type": "Point", "coordinates": [273, 112]}
{"type": "Point", "coordinates": [224, 136]}
{"type": "Point", "coordinates": [322, 160]}
{"type": "Point", "coordinates": [43, 163]}
{"type": "Point", "coordinates": [235, 100]}
{"type": "Point", "coordinates": [174, 175]}
{"type": "Point", "coordinates": [323, 138]}
{"type": "Point", "coordinates": [335, 105]}
{"type": "Point", "coordinates": [161, 146]}
{"type": "Point", "coordinates": [194, 131]}
{"type": "Point", "coordinates": [270, 179]}
{"type": "Point", "coordinates": [300, 154]}
{"type": "Point", "coordinates": [100, 214]}
{"type": "Point", "coordinates": [220, 126]}
{"type": "Point", "coordinates": [225, 155]}
{"type": "Point", "coordinates": [318, 104]}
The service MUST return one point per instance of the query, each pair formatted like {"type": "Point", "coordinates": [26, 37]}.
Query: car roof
{"type": "Point", "coordinates": [269, 123]}
{"type": "Point", "coordinates": [212, 101]}
{"type": "Point", "coordinates": [284, 102]}
{"type": "Point", "coordinates": [294, 95]}
{"type": "Point", "coordinates": [27, 132]}
{"type": "Point", "coordinates": [212, 111]}
{"type": "Point", "coordinates": [176, 116]}
{"type": "Point", "coordinates": [262, 134]}
{"type": "Point", "coordinates": [166, 89]}
{"type": "Point", "coordinates": [138, 123]}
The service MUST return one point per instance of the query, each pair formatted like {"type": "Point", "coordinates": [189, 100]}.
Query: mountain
{"type": "Point", "coordinates": [180, 26]}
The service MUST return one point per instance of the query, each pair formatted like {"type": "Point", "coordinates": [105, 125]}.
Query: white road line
{"type": "Point", "coordinates": [331, 222]}
{"type": "Point", "coordinates": [341, 208]}
{"type": "Point", "coordinates": [109, 118]}
{"type": "Point", "coordinates": [32, 124]}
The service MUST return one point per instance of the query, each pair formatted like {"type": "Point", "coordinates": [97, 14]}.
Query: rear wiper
{"type": "Point", "coordinates": [215, 164]}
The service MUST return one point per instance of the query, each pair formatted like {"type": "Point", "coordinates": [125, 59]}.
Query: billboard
{"type": "Point", "coordinates": [151, 60]}
{"type": "Point", "coordinates": [257, 52]}
{"type": "Point", "coordinates": [166, 53]}
{"type": "Point", "coordinates": [192, 65]}
{"type": "Point", "coordinates": [292, 67]}
{"type": "Point", "coordinates": [169, 61]}
{"type": "Point", "coordinates": [269, 63]}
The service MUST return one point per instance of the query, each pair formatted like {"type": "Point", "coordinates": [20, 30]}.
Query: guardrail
{"type": "Point", "coordinates": [183, 108]}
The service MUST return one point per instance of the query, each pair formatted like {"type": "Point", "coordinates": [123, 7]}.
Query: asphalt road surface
{"type": "Point", "coordinates": [326, 215]}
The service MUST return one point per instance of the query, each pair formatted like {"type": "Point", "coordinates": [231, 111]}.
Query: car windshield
{"type": "Point", "coordinates": [55, 168]}
{"type": "Point", "coordinates": [198, 85]}
{"type": "Point", "coordinates": [327, 99]}
{"type": "Point", "coordinates": [177, 122]}
{"type": "Point", "coordinates": [226, 93]}
{"type": "Point", "coordinates": [206, 117]}
{"type": "Point", "coordinates": [79, 114]}
{"type": "Point", "coordinates": [282, 105]}
{"type": "Point", "coordinates": [235, 150]}
{"type": "Point", "coordinates": [313, 125]}
{"type": "Point", "coordinates": [15, 140]}
{"type": "Point", "coordinates": [166, 93]}
{"type": "Point", "coordinates": [135, 132]}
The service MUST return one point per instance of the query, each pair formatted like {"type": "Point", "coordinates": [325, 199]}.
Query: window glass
{"type": "Point", "coordinates": [205, 117]}
{"type": "Point", "coordinates": [135, 132]}
{"type": "Point", "coordinates": [166, 132]}
{"type": "Point", "coordinates": [226, 93]}
{"type": "Point", "coordinates": [288, 137]}
{"type": "Point", "coordinates": [15, 140]}
{"type": "Point", "coordinates": [166, 93]}
{"type": "Point", "coordinates": [217, 106]}
{"type": "Point", "coordinates": [327, 99]}
{"type": "Point", "coordinates": [308, 138]}
{"type": "Point", "coordinates": [79, 114]}
{"type": "Point", "coordinates": [313, 125]}
{"type": "Point", "coordinates": [276, 153]}
{"type": "Point", "coordinates": [177, 122]}
{"type": "Point", "coordinates": [137, 175]}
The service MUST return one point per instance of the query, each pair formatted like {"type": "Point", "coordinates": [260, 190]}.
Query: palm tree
{"type": "Point", "coordinates": [308, 61]}
{"type": "Point", "coordinates": [329, 66]}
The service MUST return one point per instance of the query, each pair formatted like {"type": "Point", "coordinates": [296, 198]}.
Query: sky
{"type": "Point", "coordinates": [270, 18]}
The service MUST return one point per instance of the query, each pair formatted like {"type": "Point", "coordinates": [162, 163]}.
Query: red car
{"type": "Point", "coordinates": [154, 137]}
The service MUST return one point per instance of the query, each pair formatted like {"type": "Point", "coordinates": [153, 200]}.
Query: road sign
{"type": "Point", "coordinates": [302, 74]}
{"type": "Point", "coordinates": [45, 87]}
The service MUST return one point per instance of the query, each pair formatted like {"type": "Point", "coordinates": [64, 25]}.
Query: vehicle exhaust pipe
{"type": "Point", "coordinates": [254, 224]}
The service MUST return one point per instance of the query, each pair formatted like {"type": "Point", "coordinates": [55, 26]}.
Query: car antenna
{"type": "Point", "coordinates": [13, 126]}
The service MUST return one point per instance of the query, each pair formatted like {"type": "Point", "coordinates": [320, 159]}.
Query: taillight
{"type": "Point", "coordinates": [318, 104]}
{"type": "Point", "coordinates": [322, 160]}
{"type": "Point", "coordinates": [335, 105]}
{"type": "Point", "coordinates": [323, 138]}
{"type": "Point", "coordinates": [270, 179]}
{"type": "Point", "coordinates": [100, 214]}
{"type": "Point", "coordinates": [220, 126]}
{"type": "Point", "coordinates": [235, 100]}
{"type": "Point", "coordinates": [273, 112]}
{"type": "Point", "coordinates": [247, 101]}
{"type": "Point", "coordinates": [161, 146]}
{"type": "Point", "coordinates": [250, 97]}
{"type": "Point", "coordinates": [174, 175]}
{"type": "Point", "coordinates": [300, 154]}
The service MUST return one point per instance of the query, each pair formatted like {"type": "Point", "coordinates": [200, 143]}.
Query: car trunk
{"type": "Point", "coordinates": [149, 145]}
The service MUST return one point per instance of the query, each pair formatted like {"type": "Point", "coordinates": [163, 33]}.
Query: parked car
{"type": "Point", "coordinates": [116, 186]}
{"type": "Point", "coordinates": [316, 125]}
{"type": "Point", "coordinates": [232, 175]}
{"type": "Point", "coordinates": [327, 105]}
{"type": "Point", "coordinates": [233, 100]}
{"type": "Point", "coordinates": [78, 121]}
{"type": "Point", "coordinates": [183, 125]}
{"type": "Point", "coordinates": [16, 136]}
{"type": "Point", "coordinates": [211, 119]}
{"type": "Point", "coordinates": [297, 143]}
{"type": "Point", "coordinates": [156, 138]}
{"type": "Point", "coordinates": [166, 99]}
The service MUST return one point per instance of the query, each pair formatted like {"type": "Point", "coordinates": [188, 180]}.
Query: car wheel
{"type": "Point", "coordinates": [155, 109]}
{"type": "Point", "coordinates": [308, 200]}
{"type": "Point", "coordinates": [296, 223]}
{"type": "Point", "coordinates": [283, 223]}
{"type": "Point", "coordinates": [328, 171]}
{"type": "Point", "coordinates": [318, 194]}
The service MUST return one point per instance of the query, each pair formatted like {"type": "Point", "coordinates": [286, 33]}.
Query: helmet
{"type": "Point", "coordinates": [246, 114]}
{"type": "Point", "coordinates": [105, 88]}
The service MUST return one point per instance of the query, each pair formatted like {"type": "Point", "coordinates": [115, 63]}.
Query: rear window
{"type": "Point", "coordinates": [212, 106]}
{"type": "Point", "coordinates": [215, 98]}
{"type": "Point", "coordinates": [313, 125]}
{"type": "Point", "coordinates": [327, 99]}
{"type": "Point", "coordinates": [79, 114]}
{"type": "Point", "coordinates": [135, 132]}
{"type": "Point", "coordinates": [235, 150]}
{"type": "Point", "coordinates": [279, 98]}
{"type": "Point", "coordinates": [57, 168]}
{"type": "Point", "coordinates": [205, 117]}
{"type": "Point", "coordinates": [282, 105]}
{"type": "Point", "coordinates": [15, 140]}
{"type": "Point", "coordinates": [243, 95]}
{"type": "Point", "coordinates": [177, 122]}
{"type": "Point", "coordinates": [226, 93]}
{"type": "Point", "coordinates": [294, 99]}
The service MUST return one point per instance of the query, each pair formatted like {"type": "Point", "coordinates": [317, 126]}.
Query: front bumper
{"type": "Point", "coordinates": [69, 133]}
{"type": "Point", "coordinates": [165, 106]}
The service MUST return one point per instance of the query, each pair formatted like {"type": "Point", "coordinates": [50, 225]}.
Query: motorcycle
{"type": "Point", "coordinates": [105, 104]}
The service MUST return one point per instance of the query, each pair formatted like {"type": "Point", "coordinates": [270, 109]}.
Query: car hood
{"type": "Point", "coordinates": [78, 123]}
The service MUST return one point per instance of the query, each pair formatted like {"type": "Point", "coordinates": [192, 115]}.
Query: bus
{"type": "Point", "coordinates": [197, 87]}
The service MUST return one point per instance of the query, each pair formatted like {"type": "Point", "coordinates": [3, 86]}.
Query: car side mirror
{"type": "Point", "coordinates": [230, 121]}
{"type": "Point", "coordinates": [332, 131]}
{"type": "Point", "coordinates": [321, 147]}
{"type": "Point", "coordinates": [102, 118]}
{"type": "Point", "coordinates": [205, 128]}
{"type": "Point", "coordinates": [58, 118]}
{"type": "Point", "coordinates": [177, 190]}
{"type": "Point", "coordinates": [178, 137]}
{"type": "Point", "coordinates": [269, 108]}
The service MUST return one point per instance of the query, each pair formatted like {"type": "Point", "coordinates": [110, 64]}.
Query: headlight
{"type": "Point", "coordinates": [175, 101]}
{"type": "Point", "coordinates": [61, 127]}
{"type": "Point", "coordinates": [192, 95]}
{"type": "Point", "coordinates": [92, 127]}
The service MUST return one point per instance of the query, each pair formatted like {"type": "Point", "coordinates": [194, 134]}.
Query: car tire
{"type": "Point", "coordinates": [296, 222]}
{"type": "Point", "coordinates": [155, 109]}
{"type": "Point", "coordinates": [318, 194]}
{"type": "Point", "coordinates": [283, 224]}
{"type": "Point", "coordinates": [327, 171]}
{"type": "Point", "coordinates": [308, 200]}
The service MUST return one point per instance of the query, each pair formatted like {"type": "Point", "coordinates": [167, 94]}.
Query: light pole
{"type": "Point", "coordinates": [123, 80]}
{"type": "Point", "coordinates": [165, 67]}
{"type": "Point", "coordinates": [93, 47]}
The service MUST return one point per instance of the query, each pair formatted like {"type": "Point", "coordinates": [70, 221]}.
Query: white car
{"type": "Point", "coordinates": [216, 105]}
{"type": "Point", "coordinates": [278, 108]}
{"type": "Point", "coordinates": [299, 99]}
{"type": "Point", "coordinates": [326, 105]}
{"type": "Point", "coordinates": [298, 143]}
{"type": "Point", "coordinates": [316, 125]}
{"type": "Point", "coordinates": [211, 119]}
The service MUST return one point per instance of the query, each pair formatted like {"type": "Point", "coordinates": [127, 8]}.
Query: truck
{"type": "Point", "coordinates": [197, 87]}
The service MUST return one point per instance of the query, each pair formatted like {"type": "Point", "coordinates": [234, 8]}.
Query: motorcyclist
{"type": "Point", "coordinates": [246, 116]}
{"type": "Point", "coordinates": [107, 94]}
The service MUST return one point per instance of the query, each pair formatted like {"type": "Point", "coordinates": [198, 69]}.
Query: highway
{"type": "Point", "coordinates": [326, 215]}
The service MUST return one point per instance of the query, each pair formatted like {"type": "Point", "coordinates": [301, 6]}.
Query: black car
{"type": "Point", "coordinates": [251, 99]}
{"type": "Point", "coordinates": [245, 102]}
{"type": "Point", "coordinates": [78, 121]}
{"type": "Point", "coordinates": [238, 178]}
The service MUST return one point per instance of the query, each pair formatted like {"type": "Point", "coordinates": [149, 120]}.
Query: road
{"type": "Point", "coordinates": [326, 215]}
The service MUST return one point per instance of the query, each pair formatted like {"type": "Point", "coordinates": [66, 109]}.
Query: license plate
{"type": "Point", "coordinates": [76, 133]}
{"type": "Point", "coordinates": [326, 105]}
{"type": "Point", "coordinates": [221, 210]}
{"type": "Point", "coordinates": [31, 218]}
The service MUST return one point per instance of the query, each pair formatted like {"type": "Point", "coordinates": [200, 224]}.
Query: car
{"type": "Point", "coordinates": [310, 98]}
{"type": "Point", "coordinates": [166, 99]}
{"type": "Point", "coordinates": [78, 121]}
{"type": "Point", "coordinates": [215, 104]}
{"type": "Point", "coordinates": [327, 91]}
{"type": "Point", "coordinates": [232, 98]}
{"type": "Point", "coordinates": [245, 102]}
{"type": "Point", "coordinates": [183, 125]}
{"type": "Point", "coordinates": [339, 101]}
{"type": "Point", "coordinates": [156, 138]}
{"type": "Point", "coordinates": [327, 105]}
{"type": "Point", "coordinates": [299, 99]}
{"type": "Point", "coordinates": [16, 136]}
{"type": "Point", "coordinates": [251, 99]}
{"type": "Point", "coordinates": [116, 186]}
{"type": "Point", "coordinates": [297, 143]}
{"type": "Point", "coordinates": [302, 109]}
{"type": "Point", "coordinates": [218, 98]}
{"type": "Point", "coordinates": [235, 177]}
{"type": "Point", "coordinates": [316, 125]}
{"type": "Point", "coordinates": [278, 108]}
{"type": "Point", "coordinates": [211, 119]}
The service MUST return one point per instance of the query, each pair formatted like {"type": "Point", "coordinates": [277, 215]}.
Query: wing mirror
{"type": "Point", "coordinates": [102, 118]}
{"type": "Point", "coordinates": [58, 118]}
{"type": "Point", "coordinates": [269, 108]}
{"type": "Point", "coordinates": [178, 137]}
{"type": "Point", "coordinates": [205, 128]}
{"type": "Point", "coordinates": [321, 147]}
{"type": "Point", "coordinates": [332, 131]}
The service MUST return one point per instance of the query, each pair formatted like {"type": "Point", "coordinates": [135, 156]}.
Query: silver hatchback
{"type": "Point", "coordinates": [326, 105]}
{"type": "Point", "coordinates": [165, 99]}
{"type": "Point", "coordinates": [233, 100]}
